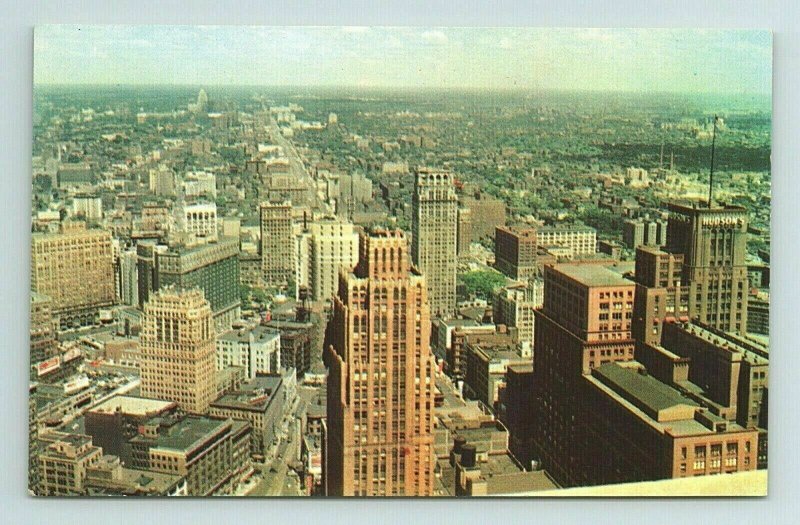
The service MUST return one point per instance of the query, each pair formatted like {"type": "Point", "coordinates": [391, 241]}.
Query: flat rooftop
{"type": "Point", "coordinates": [566, 228]}
{"type": "Point", "coordinates": [260, 334]}
{"type": "Point", "coordinates": [750, 349]}
{"type": "Point", "coordinates": [643, 390]}
{"type": "Point", "coordinates": [134, 406]}
{"type": "Point", "coordinates": [593, 275]}
{"type": "Point", "coordinates": [257, 394]}
{"type": "Point", "coordinates": [186, 433]}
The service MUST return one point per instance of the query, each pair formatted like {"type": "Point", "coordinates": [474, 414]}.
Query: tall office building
{"type": "Point", "coordinates": [644, 232]}
{"type": "Point", "coordinates": [333, 246]}
{"type": "Point", "coordinates": [212, 267]}
{"type": "Point", "coordinates": [713, 242]}
{"type": "Point", "coordinates": [381, 378]}
{"type": "Point", "coordinates": [661, 297]}
{"type": "Point", "coordinates": [433, 248]}
{"type": "Point", "coordinates": [277, 243]}
{"type": "Point", "coordinates": [162, 181]}
{"type": "Point", "coordinates": [515, 251]}
{"type": "Point", "coordinates": [74, 268]}
{"type": "Point", "coordinates": [177, 349]}
{"type": "Point", "coordinates": [464, 232]}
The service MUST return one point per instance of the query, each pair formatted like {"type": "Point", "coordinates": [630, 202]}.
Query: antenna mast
{"type": "Point", "coordinates": [711, 174]}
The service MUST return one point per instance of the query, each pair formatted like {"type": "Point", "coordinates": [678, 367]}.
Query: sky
{"type": "Point", "coordinates": [639, 60]}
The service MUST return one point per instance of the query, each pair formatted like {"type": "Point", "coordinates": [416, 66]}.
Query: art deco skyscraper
{"type": "Point", "coordinates": [277, 243]}
{"type": "Point", "coordinates": [381, 378]}
{"type": "Point", "coordinates": [713, 242]}
{"type": "Point", "coordinates": [434, 230]}
{"type": "Point", "coordinates": [178, 349]}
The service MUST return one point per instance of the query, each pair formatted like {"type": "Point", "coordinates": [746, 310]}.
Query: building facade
{"type": "Point", "coordinates": [277, 243]}
{"type": "Point", "coordinates": [515, 251]}
{"type": "Point", "coordinates": [579, 240]}
{"type": "Point", "coordinates": [74, 267]}
{"type": "Point", "coordinates": [256, 349]}
{"type": "Point", "coordinates": [713, 242]}
{"type": "Point", "coordinates": [333, 247]}
{"type": "Point", "coordinates": [212, 267]}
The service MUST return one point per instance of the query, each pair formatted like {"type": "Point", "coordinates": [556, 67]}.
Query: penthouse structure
{"type": "Point", "coordinates": [433, 248]}
{"type": "Point", "coordinates": [177, 349]}
{"type": "Point", "coordinates": [381, 380]}
{"type": "Point", "coordinates": [74, 268]}
{"type": "Point", "coordinates": [277, 243]}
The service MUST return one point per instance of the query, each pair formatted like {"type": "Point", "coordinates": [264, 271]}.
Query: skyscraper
{"type": "Point", "coordinates": [212, 267]}
{"type": "Point", "coordinates": [433, 249]}
{"type": "Point", "coordinates": [334, 245]}
{"type": "Point", "coordinates": [177, 349]}
{"type": "Point", "coordinates": [277, 243]}
{"type": "Point", "coordinates": [381, 378]}
{"type": "Point", "coordinates": [713, 242]}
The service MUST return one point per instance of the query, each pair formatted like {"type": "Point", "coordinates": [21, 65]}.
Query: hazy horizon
{"type": "Point", "coordinates": [677, 61]}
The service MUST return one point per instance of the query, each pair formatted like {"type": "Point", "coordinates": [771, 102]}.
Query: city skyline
{"type": "Point", "coordinates": [411, 289]}
{"type": "Point", "coordinates": [540, 59]}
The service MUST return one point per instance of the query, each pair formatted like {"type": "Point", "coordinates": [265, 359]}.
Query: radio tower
{"type": "Point", "coordinates": [711, 174]}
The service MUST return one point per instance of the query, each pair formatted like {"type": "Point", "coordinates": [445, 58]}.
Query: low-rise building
{"type": "Point", "coordinates": [260, 401]}
{"type": "Point", "coordinates": [212, 454]}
